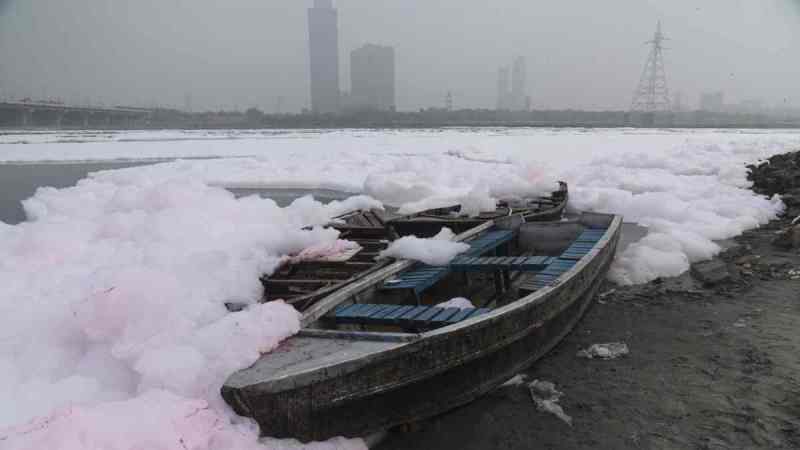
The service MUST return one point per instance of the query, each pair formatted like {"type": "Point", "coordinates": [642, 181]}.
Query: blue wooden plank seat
{"type": "Point", "coordinates": [583, 244]}
{"type": "Point", "coordinates": [547, 276]}
{"type": "Point", "coordinates": [580, 247]}
{"type": "Point", "coordinates": [418, 280]}
{"type": "Point", "coordinates": [558, 267]}
{"type": "Point", "coordinates": [422, 276]}
{"type": "Point", "coordinates": [509, 263]}
{"type": "Point", "coordinates": [488, 241]}
{"type": "Point", "coordinates": [403, 315]}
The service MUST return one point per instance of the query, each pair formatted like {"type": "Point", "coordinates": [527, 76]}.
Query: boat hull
{"type": "Point", "coordinates": [557, 211]}
{"type": "Point", "coordinates": [429, 226]}
{"type": "Point", "coordinates": [442, 370]}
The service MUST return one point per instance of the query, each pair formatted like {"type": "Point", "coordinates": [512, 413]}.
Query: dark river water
{"type": "Point", "coordinates": [20, 181]}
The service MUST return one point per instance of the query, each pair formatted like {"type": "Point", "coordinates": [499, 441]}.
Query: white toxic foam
{"type": "Point", "coordinates": [436, 251]}
{"type": "Point", "coordinates": [113, 329]}
{"type": "Point", "coordinates": [458, 302]}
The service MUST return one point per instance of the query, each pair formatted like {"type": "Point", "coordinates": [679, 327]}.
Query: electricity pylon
{"type": "Point", "coordinates": [652, 94]}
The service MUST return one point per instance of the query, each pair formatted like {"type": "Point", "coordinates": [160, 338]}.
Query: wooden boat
{"type": "Point", "coordinates": [537, 209]}
{"type": "Point", "coordinates": [304, 283]}
{"type": "Point", "coordinates": [379, 353]}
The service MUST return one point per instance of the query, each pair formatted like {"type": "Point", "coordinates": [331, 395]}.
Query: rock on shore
{"type": "Point", "coordinates": [780, 175]}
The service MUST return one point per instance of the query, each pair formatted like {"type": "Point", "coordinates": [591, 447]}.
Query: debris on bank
{"type": "Point", "coordinates": [788, 238]}
{"type": "Point", "coordinates": [611, 350]}
{"type": "Point", "coordinates": [515, 381]}
{"type": "Point", "coordinates": [546, 397]}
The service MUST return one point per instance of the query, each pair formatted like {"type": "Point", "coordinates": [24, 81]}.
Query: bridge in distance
{"type": "Point", "coordinates": [27, 113]}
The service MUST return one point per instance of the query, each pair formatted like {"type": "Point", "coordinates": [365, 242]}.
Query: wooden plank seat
{"type": "Point", "coordinates": [583, 244]}
{"type": "Point", "coordinates": [580, 247]}
{"type": "Point", "coordinates": [507, 263]}
{"type": "Point", "coordinates": [417, 280]}
{"type": "Point", "coordinates": [547, 276]}
{"type": "Point", "coordinates": [422, 317]}
{"type": "Point", "coordinates": [488, 242]}
{"type": "Point", "coordinates": [424, 276]}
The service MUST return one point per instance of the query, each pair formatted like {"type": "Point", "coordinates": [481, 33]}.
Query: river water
{"type": "Point", "coordinates": [19, 181]}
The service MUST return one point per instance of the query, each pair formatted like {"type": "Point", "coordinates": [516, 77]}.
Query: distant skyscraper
{"type": "Point", "coordinates": [512, 86]}
{"type": "Point", "coordinates": [187, 102]}
{"type": "Point", "coordinates": [519, 85]}
{"type": "Point", "coordinates": [372, 78]}
{"type": "Point", "coordinates": [503, 89]}
{"type": "Point", "coordinates": [323, 43]}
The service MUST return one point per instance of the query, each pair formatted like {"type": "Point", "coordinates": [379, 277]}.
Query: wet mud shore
{"type": "Point", "coordinates": [714, 359]}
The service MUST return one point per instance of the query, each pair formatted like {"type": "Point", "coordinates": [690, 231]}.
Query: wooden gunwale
{"type": "Point", "coordinates": [556, 211]}
{"type": "Point", "coordinates": [360, 335]}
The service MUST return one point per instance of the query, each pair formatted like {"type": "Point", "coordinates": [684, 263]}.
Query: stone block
{"type": "Point", "coordinates": [711, 273]}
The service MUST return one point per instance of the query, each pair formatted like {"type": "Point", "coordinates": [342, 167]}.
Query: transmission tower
{"type": "Point", "coordinates": [652, 94]}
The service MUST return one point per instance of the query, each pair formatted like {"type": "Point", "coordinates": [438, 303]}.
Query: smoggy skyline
{"type": "Point", "coordinates": [244, 53]}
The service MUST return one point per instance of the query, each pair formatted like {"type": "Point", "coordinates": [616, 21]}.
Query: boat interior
{"type": "Point", "coordinates": [507, 260]}
{"type": "Point", "coordinates": [302, 284]}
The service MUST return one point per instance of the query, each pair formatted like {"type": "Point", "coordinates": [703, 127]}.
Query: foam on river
{"type": "Point", "coordinates": [113, 330]}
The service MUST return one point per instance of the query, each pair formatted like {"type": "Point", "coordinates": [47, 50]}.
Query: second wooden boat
{"type": "Point", "coordinates": [533, 209]}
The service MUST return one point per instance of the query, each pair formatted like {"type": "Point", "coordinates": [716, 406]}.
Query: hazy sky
{"type": "Point", "coordinates": [241, 53]}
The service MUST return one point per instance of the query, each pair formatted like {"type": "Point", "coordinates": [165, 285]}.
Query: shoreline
{"type": "Point", "coordinates": [711, 366]}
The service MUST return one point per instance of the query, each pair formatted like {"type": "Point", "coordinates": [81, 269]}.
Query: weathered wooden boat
{"type": "Point", "coordinates": [303, 283]}
{"type": "Point", "coordinates": [537, 209]}
{"type": "Point", "coordinates": [379, 352]}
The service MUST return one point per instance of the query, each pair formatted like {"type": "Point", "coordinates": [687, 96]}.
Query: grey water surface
{"type": "Point", "coordinates": [20, 181]}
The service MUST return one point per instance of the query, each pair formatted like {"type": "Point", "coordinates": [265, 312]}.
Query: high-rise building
{"type": "Point", "coordinates": [512, 86]}
{"type": "Point", "coordinates": [372, 76]}
{"type": "Point", "coordinates": [519, 85]}
{"type": "Point", "coordinates": [503, 89]}
{"type": "Point", "coordinates": [323, 44]}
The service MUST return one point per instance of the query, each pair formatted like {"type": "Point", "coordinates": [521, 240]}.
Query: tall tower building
{"type": "Point", "coordinates": [372, 77]}
{"type": "Point", "coordinates": [323, 44]}
{"type": "Point", "coordinates": [503, 89]}
{"type": "Point", "coordinates": [519, 83]}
